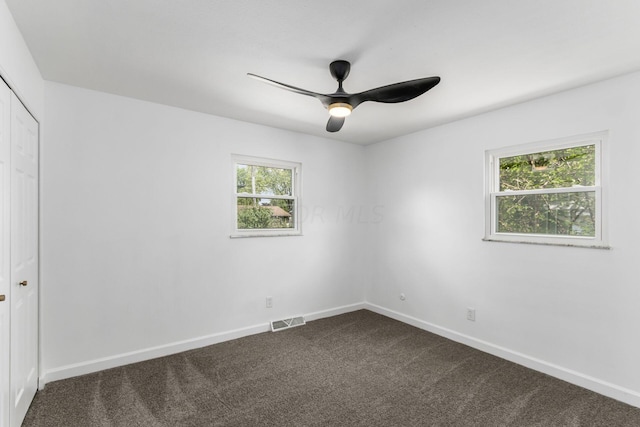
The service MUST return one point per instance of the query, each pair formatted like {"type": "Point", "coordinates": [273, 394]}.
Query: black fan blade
{"type": "Point", "coordinates": [397, 92]}
{"type": "Point", "coordinates": [335, 124]}
{"type": "Point", "coordinates": [321, 97]}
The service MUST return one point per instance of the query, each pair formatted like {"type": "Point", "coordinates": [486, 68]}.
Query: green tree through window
{"type": "Point", "coordinates": [547, 192]}
{"type": "Point", "coordinates": [566, 213]}
{"type": "Point", "coordinates": [266, 196]}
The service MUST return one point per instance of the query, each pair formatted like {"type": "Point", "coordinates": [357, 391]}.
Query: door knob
{"type": "Point", "coordinates": [2, 298]}
{"type": "Point", "coordinates": [23, 283]}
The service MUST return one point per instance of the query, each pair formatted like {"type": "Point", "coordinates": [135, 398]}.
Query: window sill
{"type": "Point", "coordinates": [527, 242]}
{"type": "Point", "coordinates": [245, 235]}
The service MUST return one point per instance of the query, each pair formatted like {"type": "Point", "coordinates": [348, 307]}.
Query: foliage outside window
{"type": "Point", "coordinates": [549, 192]}
{"type": "Point", "coordinates": [265, 197]}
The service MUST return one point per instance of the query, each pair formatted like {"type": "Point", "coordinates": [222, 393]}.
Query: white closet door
{"type": "Point", "coordinates": [5, 248]}
{"type": "Point", "coordinates": [24, 260]}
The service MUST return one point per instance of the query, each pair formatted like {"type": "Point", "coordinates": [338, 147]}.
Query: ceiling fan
{"type": "Point", "coordinates": [340, 103]}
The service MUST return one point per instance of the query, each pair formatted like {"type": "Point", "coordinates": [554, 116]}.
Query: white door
{"type": "Point", "coordinates": [5, 248]}
{"type": "Point", "coordinates": [24, 261]}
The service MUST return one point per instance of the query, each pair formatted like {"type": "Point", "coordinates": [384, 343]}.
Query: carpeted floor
{"type": "Point", "coordinates": [357, 369]}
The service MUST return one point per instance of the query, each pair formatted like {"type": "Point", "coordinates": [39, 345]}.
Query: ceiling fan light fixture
{"type": "Point", "coordinates": [340, 103]}
{"type": "Point", "coordinates": [340, 109]}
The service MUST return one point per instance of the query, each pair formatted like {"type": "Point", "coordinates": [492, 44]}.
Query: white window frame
{"type": "Point", "coordinates": [492, 191]}
{"type": "Point", "coordinates": [296, 177]}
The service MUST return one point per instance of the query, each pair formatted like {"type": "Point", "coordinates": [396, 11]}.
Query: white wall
{"type": "Point", "coordinates": [138, 260]}
{"type": "Point", "coordinates": [572, 312]}
{"type": "Point", "coordinates": [136, 222]}
{"type": "Point", "coordinates": [17, 66]}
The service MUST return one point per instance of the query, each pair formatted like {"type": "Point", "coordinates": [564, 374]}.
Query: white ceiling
{"type": "Point", "coordinates": [195, 54]}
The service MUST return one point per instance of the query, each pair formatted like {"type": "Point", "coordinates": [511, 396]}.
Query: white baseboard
{"type": "Point", "coordinates": [335, 311]}
{"type": "Point", "coordinates": [101, 364]}
{"type": "Point", "coordinates": [622, 394]}
{"type": "Point", "coordinates": [96, 365]}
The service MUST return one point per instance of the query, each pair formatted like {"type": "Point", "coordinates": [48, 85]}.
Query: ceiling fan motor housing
{"type": "Point", "coordinates": [340, 70]}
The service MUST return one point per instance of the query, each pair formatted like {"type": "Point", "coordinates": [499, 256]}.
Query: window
{"type": "Point", "coordinates": [265, 197]}
{"type": "Point", "coordinates": [547, 192]}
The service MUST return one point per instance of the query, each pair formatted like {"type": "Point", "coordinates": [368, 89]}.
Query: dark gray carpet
{"type": "Point", "coordinates": [357, 369]}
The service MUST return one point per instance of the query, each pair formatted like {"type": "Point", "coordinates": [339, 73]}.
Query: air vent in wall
{"type": "Point", "coordinates": [278, 325]}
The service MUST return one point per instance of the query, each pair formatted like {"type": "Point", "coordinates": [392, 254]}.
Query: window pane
{"type": "Point", "coordinates": [566, 167]}
{"type": "Point", "coordinates": [256, 213]}
{"type": "Point", "coordinates": [263, 180]}
{"type": "Point", "coordinates": [563, 214]}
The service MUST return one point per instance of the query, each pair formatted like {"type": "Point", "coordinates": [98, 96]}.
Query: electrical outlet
{"type": "Point", "coordinates": [269, 302]}
{"type": "Point", "coordinates": [471, 314]}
